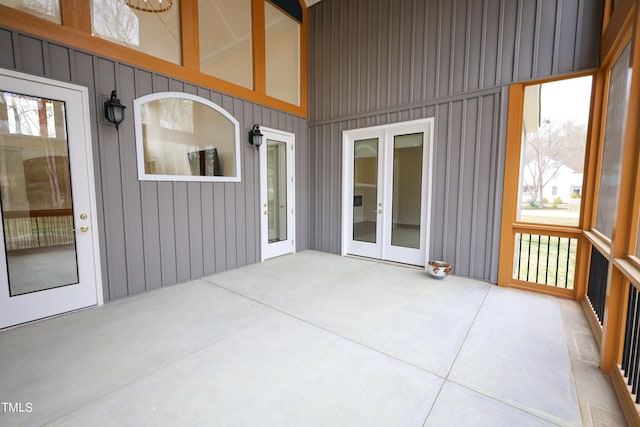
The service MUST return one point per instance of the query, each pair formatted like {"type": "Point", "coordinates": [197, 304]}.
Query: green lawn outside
{"type": "Point", "coordinates": [534, 254]}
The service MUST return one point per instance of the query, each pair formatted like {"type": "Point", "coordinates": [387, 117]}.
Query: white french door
{"type": "Point", "coordinates": [277, 193]}
{"type": "Point", "coordinates": [387, 191]}
{"type": "Point", "coordinates": [49, 261]}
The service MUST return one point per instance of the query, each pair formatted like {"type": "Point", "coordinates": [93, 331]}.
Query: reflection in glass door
{"type": "Point", "coordinates": [365, 190]}
{"type": "Point", "coordinates": [277, 190]}
{"type": "Point", "coordinates": [407, 190]}
{"type": "Point", "coordinates": [277, 193]}
{"type": "Point", "coordinates": [48, 257]}
{"type": "Point", "coordinates": [385, 192]}
{"type": "Point", "coordinates": [35, 189]}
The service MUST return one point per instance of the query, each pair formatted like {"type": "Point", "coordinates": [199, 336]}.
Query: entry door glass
{"type": "Point", "coordinates": [407, 190]}
{"type": "Point", "coordinates": [365, 190]}
{"type": "Point", "coordinates": [35, 189]}
{"type": "Point", "coordinates": [277, 190]}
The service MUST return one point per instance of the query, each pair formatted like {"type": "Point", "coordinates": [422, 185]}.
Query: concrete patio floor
{"type": "Point", "coordinates": [311, 339]}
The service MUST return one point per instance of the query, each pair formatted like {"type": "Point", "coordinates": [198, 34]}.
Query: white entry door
{"type": "Point", "coordinates": [277, 193]}
{"type": "Point", "coordinates": [49, 261]}
{"type": "Point", "coordinates": [386, 191]}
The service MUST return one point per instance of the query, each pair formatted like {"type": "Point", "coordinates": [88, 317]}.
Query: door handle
{"type": "Point", "coordinates": [379, 212]}
{"type": "Point", "coordinates": [84, 229]}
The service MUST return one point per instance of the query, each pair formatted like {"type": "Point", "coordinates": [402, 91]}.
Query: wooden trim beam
{"type": "Point", "coordinates": [190, 34]}
{"type": "Point", "coordinates": [259, 46]}
{"type": "Point", "coordinates": [592, 320]}
{"type": "Point", "coordinates": [78, 35]}
{"type": "Point", "coordinates": [510, 189]}
{"type": "Point", "coordinates": [612, 41]}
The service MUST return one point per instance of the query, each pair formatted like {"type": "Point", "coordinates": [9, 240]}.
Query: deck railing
{"type": "Point", "coordinates": [631, 348]}
{"type": "Point", "coordinates": [545, 259]}
{"type": "Point", "coordinates": [25, 230]}
{"type": "Point", "coordinates": [597, 284]}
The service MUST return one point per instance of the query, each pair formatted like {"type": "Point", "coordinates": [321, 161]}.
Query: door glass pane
{"type": "Point", "coordinates": [554, 139]}
{"type": "Point", "coordinates": [614, 133]}
{"type": "Point", "coordinates": [47, 9]}
{"type": "Point", "coordinates": [277, 190]}
{"type": "Point", "coordinates": [407, 190]}
{"type": "Point", "coordinates": [35, 189]}
{"type": "Point", "coordinates": [365, 190]}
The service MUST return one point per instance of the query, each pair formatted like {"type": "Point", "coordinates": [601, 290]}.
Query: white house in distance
{"type": "Point", "coordinates": [561, 181]}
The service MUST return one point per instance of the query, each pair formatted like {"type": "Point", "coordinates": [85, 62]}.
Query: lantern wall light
{"type": "Point", "coordinates": [114, 110]}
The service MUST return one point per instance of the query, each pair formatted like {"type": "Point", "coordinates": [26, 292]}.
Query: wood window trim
{"type": "Point", "coordinates": [509, 225]}
{"type": "Point", "coordinates": [76, 33]}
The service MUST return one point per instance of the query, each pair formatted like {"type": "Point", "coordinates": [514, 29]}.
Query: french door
{"type": "Point", "coordinates": [48, 250]}
{"type": "Point", "coordinates": [277, 193]}
{"type": "Point", "coordinates": [386, 191]}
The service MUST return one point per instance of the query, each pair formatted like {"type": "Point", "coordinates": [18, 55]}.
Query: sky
{"type": "Point", "coordinates": [566, 100]}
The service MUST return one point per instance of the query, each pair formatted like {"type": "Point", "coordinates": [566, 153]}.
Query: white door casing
{"type": "Point", "coordinates": [277, 144]}
{"type": "Point", "coordinates": [88, 291]}
{"type": "Point", "coordinates": [381, 247]}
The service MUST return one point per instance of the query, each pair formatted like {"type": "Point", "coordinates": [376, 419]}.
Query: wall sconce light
{"type": "Point", "coordinates": [255, 137]}
{"type": "Point", "coordinates": [113, 110]}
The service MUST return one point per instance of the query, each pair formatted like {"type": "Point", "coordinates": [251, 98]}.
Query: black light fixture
{"type": "Point", "coordinates": [255, 137]}
{"type": "Point", "coordinates": [113, 110]}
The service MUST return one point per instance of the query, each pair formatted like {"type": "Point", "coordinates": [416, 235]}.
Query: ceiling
{"type": "Point", "coordinates": [311, 2]}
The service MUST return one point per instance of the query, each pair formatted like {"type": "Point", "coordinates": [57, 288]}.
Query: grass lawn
{"type": "Point", "coordinates": [545, 260]}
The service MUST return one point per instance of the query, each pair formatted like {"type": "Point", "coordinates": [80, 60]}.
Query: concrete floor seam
{"type": "Point", "coordinates": [324, 329]}
{"type": "Point", "coordinates": [456, 356]}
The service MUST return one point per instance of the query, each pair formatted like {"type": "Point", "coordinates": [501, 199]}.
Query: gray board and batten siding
{"type": "Point", "coordinates": [374, 62]}
{"type": "Point", "coordinates": [154, 234]}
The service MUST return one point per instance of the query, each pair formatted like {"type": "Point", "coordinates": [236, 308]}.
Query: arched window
{"type": "Point", "coordinates": [183, 137]}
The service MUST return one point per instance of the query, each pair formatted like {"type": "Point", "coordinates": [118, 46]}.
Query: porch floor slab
{"type": "Point", "coordinates": [311, 339]}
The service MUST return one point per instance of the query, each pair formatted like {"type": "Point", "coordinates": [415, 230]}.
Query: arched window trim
{"type": "Point", "coordinates": [137, 112]}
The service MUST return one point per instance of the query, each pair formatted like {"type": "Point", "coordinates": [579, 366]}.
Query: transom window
{"type": "Point", "coordinates": [183, 137]}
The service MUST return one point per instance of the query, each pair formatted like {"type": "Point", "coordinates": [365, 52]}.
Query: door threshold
{"type": "Point", "coordinates": [384, 261]}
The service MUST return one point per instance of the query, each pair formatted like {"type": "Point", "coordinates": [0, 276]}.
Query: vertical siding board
{"type": "Point", "coordinates": [181, 230]}
{"type": "Point", "coordinates": [499, 129]}
{"type": "Point", "coordinates": [567, 36]}
{"type": "Point", "coordinates": [466, 206]}
{"type": "Point", "coordinates": [167, 234]}
{"type": "Point", "coordinates": [459, 61]}
{"type": "Point", "coordinates": [112, 190]}
{"type": "Point", "coordinates": [589, 39]}
{"type": "Point", "coordinates": [208, 229]}
{"type": "Point", "coordinates": [546, 38]}
{"type": "Point", "coordinates": [418, 51]}
{"type": "Point", "coordinates": [252, 237]}
{"type": "Point", "coordinates": [59, 62]}
{"type": "Point", "coordinates": [150, 209]}
{"type": "Point", "coordinates": [453, 183]}
{"type": "Point", "coordinates": [509, 38]}
{"type": "Point", "coordinates": [241, 188]}
{"type": "Point", "coordinates": [194, 203]}
{"type": "Point", "coordinates": [438, 208]}
{"type": "Point", "coordinates": [220, 226]}
{"type": "Point", "coordinates": [230, 203]}
{"type": "Point", "coordinates": [407, 37]}
{"type": "Point", "coordinates": [132, 207]}
{"type": "Point", "coordinates": [536, 40]}
{"type": "Point", "coordinates": [474, 45]}
{"type": "Point", "coordinates": [31, 54]}
{"type": "Point", "coordinates": [7, 52]}
{"type": "Point", "coordinates": [556, 39]}
{"type": "Point", "coordinates": [432, 42]}
{"type": "Point", "coordinates": [527, 40]}
{"type": "Point", "coordinates": [446, 47]}
{"type": "Point", "coordinates": [491, 42]}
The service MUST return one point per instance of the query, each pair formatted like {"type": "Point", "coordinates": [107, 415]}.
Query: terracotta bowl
{"type": "Point", "coordinates": [438, 269]}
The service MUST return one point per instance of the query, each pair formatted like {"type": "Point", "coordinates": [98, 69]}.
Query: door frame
{"type": "Point", "coordinates": [75, 163]}
{"type": "Point", "coordinates": [385, 134]}
{"type": "Point", "coordinates": [271, 250]}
